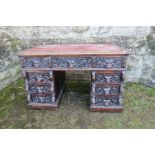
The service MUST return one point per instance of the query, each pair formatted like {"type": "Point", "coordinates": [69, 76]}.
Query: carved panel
{"type": "Point", "coordinates": [71, 62]}
{"type": "Point", "coordinates": [40, 77]}
{"type": "Point", "coordinates": [108, 62]}
{"type": "Point", "coordinates": [108, 78]}
{"type": "Point", "coordinates": [93, 93]}
{"type": "Point", "coordinates": [77, 62]}
{"type": "Point", "coordinates": [40, 89]}
{"type": "Point", "coordinates": [42, 99]}
{"type": "Point", "coordinates": [44, 62]}
{"type": "Point", "coordinates": [106, 101]}
{"type": "Point", "coordinates": [107, 90]}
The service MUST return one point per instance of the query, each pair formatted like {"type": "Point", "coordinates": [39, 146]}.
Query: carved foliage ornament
{"type": "Point", "coordinates": [37, 62]}
{"type": "Point", "coordinates": [40, 89]}
{"type": "Point", "coordinates": [39, 77]}
{"type": "Point", "coordinates": [71, 62]}
{"type": "Point", "coordinates": [41, 99]}
{"type": "Point", "coordinates": [102, 101]}
{"type": "Point", "coordinates": [108, 62]}
{"type": "Point", "coordinates": [107, 90]}
{"type": "Point", "coordinates": [94, 62]}
{"type": "Point", "coordinates": [107, 78]}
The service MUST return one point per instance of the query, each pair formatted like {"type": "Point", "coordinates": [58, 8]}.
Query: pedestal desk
{"type": "Point", "coordinates": [44, 70]}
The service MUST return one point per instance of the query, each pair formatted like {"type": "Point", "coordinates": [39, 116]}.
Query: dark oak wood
{"type": "Point", "coordinates": [74, 50]}
{"type": "Point", "coordinates": [106, 109]}
{"type": "Point", "coordinates": [49, 106]}
{"type": "Point", "coordinates": [71, 69]}
{"type": "Point", "coordinates": [44, 69]}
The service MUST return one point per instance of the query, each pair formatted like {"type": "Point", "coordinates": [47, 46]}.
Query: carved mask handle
{"type": "Point", "coordinates": [71, 64]}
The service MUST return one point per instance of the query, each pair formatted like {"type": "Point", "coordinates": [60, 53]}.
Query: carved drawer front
{"type": "Point", "coordinates": [41, 99]}
{"type": "Point", "coordinates": [36, 62]}
{"type": "Point", "coordinates": [106, 78]}
{"type": "Point", "coordinates": [40, 89]}
{"type": "Point", "coordinates": [108, 62]}
{"type": "Point", "coordinates": [71, 62]}
{"type": "Point", "coordinates": [106, 101]}
{"type": "Point", "coordinates": [107, 90]}
{"type": "Point", "coordinates": [44, 77]}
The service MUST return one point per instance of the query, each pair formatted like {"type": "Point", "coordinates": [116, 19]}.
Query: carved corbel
{"type": "Point", "coordinates": [26, 85]}
{"type": "Point", "coordinates": [24, 74]}
{"type": "Point", "coordinates": [93, 75]}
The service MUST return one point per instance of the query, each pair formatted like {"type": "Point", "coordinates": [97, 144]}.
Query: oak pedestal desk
{"type": "Point", "coordinates": [44, 70]}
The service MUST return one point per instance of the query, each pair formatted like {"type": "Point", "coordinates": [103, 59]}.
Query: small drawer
{"type": "Point", "coordinates": [107, 77]}
{"type": "Point", "coordinates": [36, 62]}
{"type": "Point", "coordinates": [108, 62]}
{"type": "Point", "coordinates": [41, 77]}
{"type": "Point", "coordinates": [107, 90]}
{"type": "Point", "coordinates": [106, 101]}
{"type": "Point", "coordinates": [71, 62]}
{"type": "Point", "coordinates": [40, 89]}
{"type": "Point", "coordinates": [42, 99]}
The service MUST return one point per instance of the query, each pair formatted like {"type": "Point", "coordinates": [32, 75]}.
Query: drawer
{"type": "Point", "coordinates": [107, 101]}
{"type": "Point", "coordinates": [107, 90]}
{"type": "Point", "coordinates": [42, 99]}
{"type": "Point", "coordinates": [107, 77]}
{"type": "Point", "coordinates": [71, 62]}
{"type": "Point", "coordinates": [36, 62]}
{"type": "Point", "coordinates": [40, 89]}
{"type": "Point", "coordinates": [108, 62]}
{"type": "Point", "coordinates": [41, 77]}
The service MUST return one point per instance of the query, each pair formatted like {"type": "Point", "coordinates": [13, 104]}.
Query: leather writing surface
{"type": "Point", "coordinates": [78, 50]}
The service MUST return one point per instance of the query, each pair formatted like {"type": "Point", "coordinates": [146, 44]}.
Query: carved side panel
{"type": "Point", "coordinates": [93, 94]}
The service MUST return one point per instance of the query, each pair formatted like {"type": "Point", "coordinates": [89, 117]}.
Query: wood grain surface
{"type": "Point", "coordinates": [74, 50]}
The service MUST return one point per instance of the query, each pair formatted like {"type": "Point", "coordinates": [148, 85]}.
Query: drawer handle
{"type": "Point", "coordinates": [40, 78]}
{"type": "Point", "coordinates": [107, 102]}
{"type": "Point", "coordinates": [107, 91]}
{"type": "Point", "coordinates": [109, 65]}
{"type": "Point", "coordinates": [107, 78]}
{"type": "Point", "coordinates": [70, 63]}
